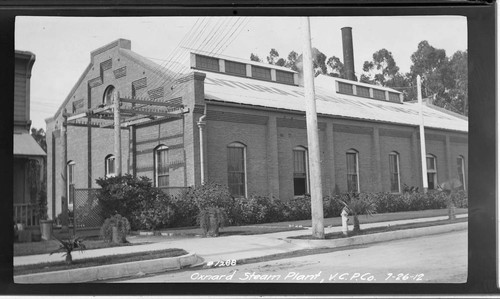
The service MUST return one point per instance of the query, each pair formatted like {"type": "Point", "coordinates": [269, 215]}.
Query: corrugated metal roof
{"type": "Point", "coordinates": [247, 91]}
{"type": "Point", "coordinates": [25, 145]}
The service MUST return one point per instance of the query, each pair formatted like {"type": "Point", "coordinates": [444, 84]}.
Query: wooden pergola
{"type": "Point", "coordinates": [123, 112]}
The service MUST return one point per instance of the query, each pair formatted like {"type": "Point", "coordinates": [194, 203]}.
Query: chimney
{"type": "Point", "coordinates": [348, 52]}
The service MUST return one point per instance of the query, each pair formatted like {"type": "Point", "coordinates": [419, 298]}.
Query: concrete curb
{"type": "Point", "coordinates": [110, 271]}
{"type": "Point", "coordinates": [379, 237]}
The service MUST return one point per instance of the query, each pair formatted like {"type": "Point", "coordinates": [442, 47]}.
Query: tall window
{"type": "Point", "coordinates": [236, 169]}
{"type": "Point", "coordinates": [461, 170]}
{"type": "Point", "coordinates": [161, 166]}
{"type": "Point", "coordinates": [108, 95]}
{"type": "Point", "coordinates": [431, 172]}
{"type": "Point", "coordinates": [109, 166]}
{"type": "Point", "coordinates": [394, 172]}
{"type": "Point", "coordinates": [300, 171]}
{"type": "Point", "coordinates": [70, 179]}
{"type": "Point", "coordinates": [352, 171]}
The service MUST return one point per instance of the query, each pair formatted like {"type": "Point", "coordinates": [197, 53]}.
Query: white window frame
{"type": "Point", "coordinates": [306, 161]}
{"type": "Point", "coordinates": [432, 171]}
{"type": "Point", "coordinates": [70, 166]}
{"type": "Point", "coordinates": [108, 92]}
{"type": "Point", "coordinates": [356, 153]}
{"type": "Point", "coordinates": [397, 171]}
{"type": "Point", "coordinates": [462, 164]}
{"type": "Point", "coordinates": [157, 150]}
{"type": "Point", "coordinates": [245, 174]}
{"type": "Point", "coordinates": [108, 174]}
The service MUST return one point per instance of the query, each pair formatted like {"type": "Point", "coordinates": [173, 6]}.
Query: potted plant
{"type": "Point", "coordinates": [68, 245]}
{"type": "Point", "coordinates": [212, 200]}
{"type": "Point", "coordinates": [211, 220]}
{"type": "Point", "coordinates": [357, 205]}
{"type": "Point", "coordinates": [46, 224]}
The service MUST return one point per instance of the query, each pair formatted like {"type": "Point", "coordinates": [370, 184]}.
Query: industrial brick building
{"type": "Point", "coordinates": [242, 124]}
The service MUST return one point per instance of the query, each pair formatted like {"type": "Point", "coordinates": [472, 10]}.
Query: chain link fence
{"type": "Point", "coordinates": [86, 209]}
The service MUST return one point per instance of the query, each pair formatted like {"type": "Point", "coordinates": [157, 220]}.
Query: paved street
{"type": "Point", "coordinates": [435, 259]}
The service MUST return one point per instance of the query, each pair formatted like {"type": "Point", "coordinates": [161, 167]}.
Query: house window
{"type": "Point", "coordinates": [362, 91]}
{"type": "Point", "coordinates": [378, 94]}
{"type": "Point", "coordinates": [284, 77]}
{"type": "Point", "coordinates": [207, 63]}
{"type": "Point", "coordinates": [461, 170]}
{"type": "Point", "coordinates": [261, 73]}
{"type": "Point", "coordinates": [352, 171]}
{"type": "Point", "coordinates": [236, 169]}
{"type": "Point", "coordinates": [394, 172]}
{"type": "Point", "coordinates": [300, 171]}
{"type": "Point", "coordinates": [236, 68]}
{"type": "Point", "coordinates": [107, 99]}
{"type": "Point", "coordinates": [345, 88]}
{"type": "Point", "coordinates": [70, 167]}
{"type": "Point", "coordinates": [109, 166]}
{"type": "Point", "coordinates": [431, 172]}
{"type": "Point", "coordinates": [161, 166]}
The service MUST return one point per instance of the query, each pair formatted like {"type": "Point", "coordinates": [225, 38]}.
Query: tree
{"type": "Point", "coordinates": [337, 67]}
{"type": "Point", "coordinates": [381, 70]}
{"type": "Point", "coordinates": [459, 92]}
{"type": "Point", "coordinates": [291, 63]}
{"type": "Point", "coordinates": [254, 57]}
{"type": "Point", "coordinates": [273, 56]}
{"type": "Point", "coordinates": [40, 138]}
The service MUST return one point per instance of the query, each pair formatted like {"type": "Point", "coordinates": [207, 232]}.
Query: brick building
{"type": "Point", "coordinates": [243, 125]}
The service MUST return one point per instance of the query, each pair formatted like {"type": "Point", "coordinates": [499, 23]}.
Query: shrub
{"type": "Point", "coordinates": [68, 245]}
{"type": "Point", "coordinates": [136, 199]}
{"type": "Point", "coordinates": [185, 210]}
{"type": "Point", "coordinates": [211, 219]}
{"type": "Point", "coordinates": [298, 208]}
{"type": "Point", "coordinates": [118, 221]}
{"type": "Point", "coordinates": [359, 204]}
{"type": "Point", "coordinates": [460, 199]}
{"type": "Point", "coordinates": [210, 195]}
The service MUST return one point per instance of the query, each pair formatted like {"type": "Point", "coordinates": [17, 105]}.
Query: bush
{"type": "Point", "coordinates": [210, 195]}
{"type": "Point", "coordinates": [211, 219]}
{"type": "Point", "coordinates": [185, 210]}
{"type": "Point", "coordinates": [136, 199]}
{"type": "Point", "coordinates": [118, 221]}
{"type": "Point", "coordinates": [460, 199]}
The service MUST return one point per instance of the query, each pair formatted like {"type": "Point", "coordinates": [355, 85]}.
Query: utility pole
{"type": "Point", "coordinates": [64, 184]}
{"type": "Point", "coordinates": [423, 155]}
{"type": "Point", "coordinates": [318, 229]}
{"type": "Point", "coordinates": [118, 133]}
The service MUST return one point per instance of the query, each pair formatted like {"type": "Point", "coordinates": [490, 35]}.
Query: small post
{"type": "Point", "coordinates": [64, 186]}
{"type": "Point", "coordinates": [118, 137]}
{"type": "Point", "coordinates": [345, 227]}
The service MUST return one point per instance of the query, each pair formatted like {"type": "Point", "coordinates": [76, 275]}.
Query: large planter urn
{"type": "Point", "coordinates": [46, 229]}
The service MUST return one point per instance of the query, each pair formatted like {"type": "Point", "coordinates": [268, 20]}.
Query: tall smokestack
{"type": "Point", "coordinates": [348, 52]}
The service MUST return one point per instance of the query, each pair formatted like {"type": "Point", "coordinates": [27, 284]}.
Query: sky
{"type": "Point", "coordinates": [62, 45]}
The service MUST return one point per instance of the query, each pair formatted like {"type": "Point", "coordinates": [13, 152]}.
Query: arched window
{"type": "Point", "coordinates": [109, 166]}
{"type": "Point", "coordinates": [394, 172]}
{"type": "Point", "coordinates": [236, 169]}
{"type": "Point", "coordinates": [161, 166]}
{"type": "Point", "coordinates": [461, 171]}
{"type": "Point", "coordinates": [70, 180]}
{"type": "Point", "coordinates": [431, 172]}
{"type": "Point", "coordinates": [107, 98]}
{"type": "Point", "coordinates": [352, 171]}
{"type": "Point", "coordinates": [300, 171]}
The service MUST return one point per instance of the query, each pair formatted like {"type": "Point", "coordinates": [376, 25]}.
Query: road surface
{"type": "Point", "coordinates": [430, 259]}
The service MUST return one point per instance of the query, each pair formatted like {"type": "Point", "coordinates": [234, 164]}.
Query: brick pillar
{"type": "Point", "coordinates": [273, 178]}
{"type": "Point", "coordinates": [192, 91]}
{"type": "Point", "coordinates": [330, 159]}
{"type": "Point", "coordinates": [449, 160]}
{"type": "Point", "coordinates": [416, 165]}
{"type": "Point", "coordinates": [377, 160]}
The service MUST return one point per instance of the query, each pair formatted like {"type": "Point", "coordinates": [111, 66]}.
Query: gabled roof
{"type": "Point", "coordinates": [241, 90]}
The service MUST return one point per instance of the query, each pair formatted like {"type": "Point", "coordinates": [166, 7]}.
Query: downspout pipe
{"type": "Point", "coordinates": [201, 125]}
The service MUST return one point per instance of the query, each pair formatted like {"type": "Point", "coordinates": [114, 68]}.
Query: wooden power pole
{"type": "Point", "coordinates": [64, 182]}
{"type": "Point", "coordinates": [316, 190]}
{"type": "Point", "coordinates": [423, 155]}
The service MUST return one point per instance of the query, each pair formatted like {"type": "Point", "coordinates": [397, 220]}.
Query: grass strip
{"type": "Point", "coordinates": [382, 229]}
{"type": "Point", "coordinates": [98, 261]}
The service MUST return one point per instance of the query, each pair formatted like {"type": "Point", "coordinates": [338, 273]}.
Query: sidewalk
{"type": "Point", "coordinates": [223, 248]}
